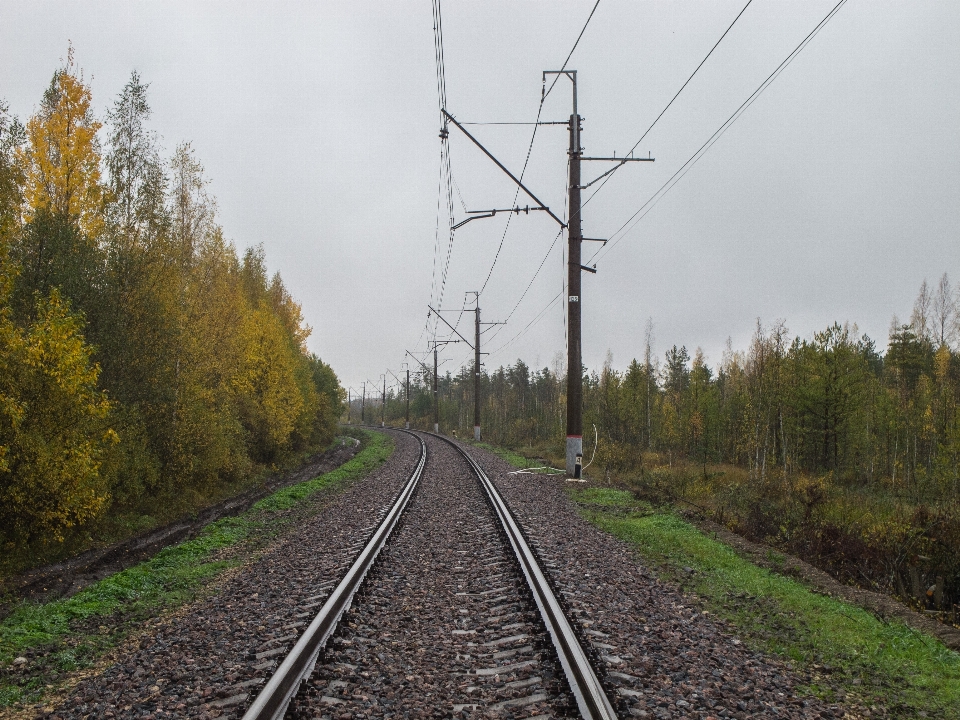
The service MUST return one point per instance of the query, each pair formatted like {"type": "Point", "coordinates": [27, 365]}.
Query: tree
{"type": "Point", "coordinates": [53, 431]}
{"type": "Point", "coordinates": [12, 137]}
{"type": "Point", "coordinates": [943, 312]}
{"type": "Point", "coordinates": [192, 210]}
{"type": "Point", "coordinates": [136, 177]}
{"type": "Point", "coordinates": [920, 318]}
{"type": "Point", "coordinates": [62, 158]}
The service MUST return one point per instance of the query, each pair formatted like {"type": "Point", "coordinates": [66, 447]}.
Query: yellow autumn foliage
{"type": "Point", "coordinates": [52, 425]}
{"type": "Point", "coordinates": [61, 158]}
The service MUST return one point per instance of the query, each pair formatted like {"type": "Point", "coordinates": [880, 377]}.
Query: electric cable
{"type": "Point", "coordinates": [667, 107]}
{"type": "Point", "coordinates": [703, 149]}
{"type": "Point", "coordinates": [526, 162]}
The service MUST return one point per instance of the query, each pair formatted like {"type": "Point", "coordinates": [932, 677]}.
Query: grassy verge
{"type": "Point", "coordinates": [518, 461]}
{"type": "Point", "coordinates": [843, 651]}
{"type": "Point", "coordinates": [68, 634]}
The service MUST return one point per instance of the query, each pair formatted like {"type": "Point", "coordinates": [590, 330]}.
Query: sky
{"type": "Point", "coordinates": [830, 199]}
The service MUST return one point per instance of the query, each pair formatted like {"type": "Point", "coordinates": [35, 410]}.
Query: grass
{"type": "Point", "coordinates": [68, 634]}
{"type": "Point", "coordinates": [515, 459]}
{"type": "Point", "coordinates": [841, 649]}
{"type": "Point", "coordinates": [122, 521]}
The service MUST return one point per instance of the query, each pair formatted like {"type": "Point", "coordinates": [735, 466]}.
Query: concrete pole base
{"type": "Point", "coordinates": [407, 426]}
{"type": "Point", "coordinates": [574, 455]}
{"type": "Point", "coordinates": [476, 433]}
{"type": "Point", "coordinates": [436, 428]}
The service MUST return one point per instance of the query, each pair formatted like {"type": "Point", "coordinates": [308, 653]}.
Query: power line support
{"type": "Point", "coordinates": [408, 399]}
{"type": "Point", "coordinates": [363, 405]}
{"type": "Point", "coordinates": [436, 397]}
{"type": "Point", "coordinates": [383, 403]}
{"type": "Point", "coordinates": [574, 459]}
{"type": "Point", "coordinates": [476, 373]}
{"type": "Point", "coordinates": [436, 390]}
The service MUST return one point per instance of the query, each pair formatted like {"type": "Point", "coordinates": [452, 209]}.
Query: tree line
{"type": "Point", "coordinates": [834, 403]}
{"type": "Point", "coordinates": [144, 362]}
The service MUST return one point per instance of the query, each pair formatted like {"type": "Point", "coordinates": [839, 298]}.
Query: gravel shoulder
{"type": "Point", "coordinates": [205, 657]}
{"type": "Point", "coordinates": [663, 656]}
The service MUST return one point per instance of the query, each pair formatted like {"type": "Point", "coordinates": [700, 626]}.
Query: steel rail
{"type": "Point", "coordinates": [272, 701]}
{"type": "Point", "coordinates": [592, 701]}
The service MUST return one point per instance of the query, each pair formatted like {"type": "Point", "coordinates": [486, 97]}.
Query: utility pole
{"type": "Point", "coordinates": [476, 373]}
{"type": "Point", "coordinates": [436, 397]}
{"type": "Point", "coordinates": [436, 387]}
{"type": "Point", "coordinates": [348, 406]}
{"type": "Point", "coordinates": [574, 460]}
{"type": "Point", "coordinates": [383, 403]}
{"type": "Point", "coordinates": [574, 268]}
{"type": "Point", "coordinates": [574, 241]}
{"type": "Point", "coordinates": [426, 371]}
{"type": "Point", "coordinates": [363, 404]}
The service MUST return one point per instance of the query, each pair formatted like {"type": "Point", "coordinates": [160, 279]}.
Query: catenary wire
{"type": "Point", "coordinates": [667, 106]}
{"type": "Point", "coordinates": [669, 184]}
{"type": "Point", "coordinates": [533, 136]}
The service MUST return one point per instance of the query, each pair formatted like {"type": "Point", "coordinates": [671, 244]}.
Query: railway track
{"type": "Point", "coordinates": [446, 623]}
{"type": "Point", "coordinates": [457, 618]}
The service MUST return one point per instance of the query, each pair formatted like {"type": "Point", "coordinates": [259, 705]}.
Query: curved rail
{"type": "Point", "coordinates": [592, 701]}
{"type": "Point", "coordinates": [298, 665]}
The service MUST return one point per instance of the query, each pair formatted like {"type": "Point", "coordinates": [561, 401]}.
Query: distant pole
{"type": "Point", "coordinates": [383, 404]}
{"type": "Point", "coordinates": [574, 270]}
{"type": "Point", "coordinates": [476, 374]}
{"type": "Point", "coordinates": [436, 397]}
{"type": "Point", "coordinates": [348, 406]}
{"type": "Point", "coordinates": [363, 405]}
{"type": "Point", "coordinates": [408, 398]}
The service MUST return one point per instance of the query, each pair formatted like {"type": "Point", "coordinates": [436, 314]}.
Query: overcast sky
{"type": "Point", "coordinates": [831, 199]}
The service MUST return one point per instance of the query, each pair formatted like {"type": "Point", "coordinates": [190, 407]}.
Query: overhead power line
{"type": "Point", "coordinates": [636, 145]}
{"type": "Point", "coordinates": [533, 136]}
{"type": "Point", "coordinates": [667, 106]}
{"type": "Point", "coordinates": [702, 150]}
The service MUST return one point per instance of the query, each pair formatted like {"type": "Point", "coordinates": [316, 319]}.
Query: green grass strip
{"type": "Point", "coordinates": [509, 456]}
{"type": "Point", "coordinates": [173, 575]}
{"type": "Point", "coordinates": [873, 661]}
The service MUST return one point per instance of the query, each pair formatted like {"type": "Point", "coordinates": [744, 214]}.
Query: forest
{"type": "Point", "coordinates": [832, 447]}
{"type": "Point", "coordinates": [146, 366]}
